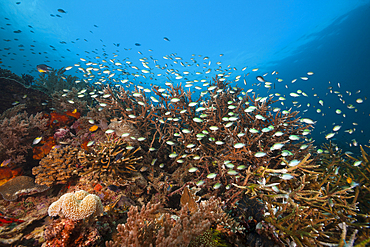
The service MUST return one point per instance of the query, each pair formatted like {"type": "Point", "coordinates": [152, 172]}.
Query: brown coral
{"type": "Point", "coordinates": [68, 233]}
{"type": "Point", "coordinates": [150, 227]}
{"type": "Point", "coordinates": [17, 130]}
{"type": "Point", "coordinates": [112, 157]}
{"type": "Point", "coordinates": [57, 167]}
{"type": "Point", "coordinates": [20, 185]}
{"type": "Point", "coordinates": [125, 128]}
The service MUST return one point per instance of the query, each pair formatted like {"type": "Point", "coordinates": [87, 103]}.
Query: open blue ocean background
{"type": "Point", "coordinates": [329, 38]}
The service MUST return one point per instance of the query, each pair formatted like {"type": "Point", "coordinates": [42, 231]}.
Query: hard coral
{"type": "Point", "coordinates": [77, 206]}
{"type": "Point", "coordinates": [112, 157]}
{"type": "Point", "coordinates": [57, 167]}
{"type": "Point", "coordinates": [149, 227]}
{"type": "Point", "coordinates": [20, 185]}
{"type": "Point", "coordinates": [125, 128]}
{"type": "Point", "coordinates": [53, 81]}
{"type": "Point", "coordinates": [17, 130]}
{"type": "Point", "coordinates": [68, 233]}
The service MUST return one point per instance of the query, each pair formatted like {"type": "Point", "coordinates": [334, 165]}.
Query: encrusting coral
{"type": "Point", "coordinates": [77, 206]}
{"type": "Point", "coordinates": [20, 185]}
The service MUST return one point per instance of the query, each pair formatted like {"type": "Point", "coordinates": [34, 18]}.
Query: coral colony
{"type": "Point", "coordinates": [109, 166]}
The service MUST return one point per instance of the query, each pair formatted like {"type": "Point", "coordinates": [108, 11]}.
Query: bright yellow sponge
{"type": "Point", "coordinates": [77, 205]}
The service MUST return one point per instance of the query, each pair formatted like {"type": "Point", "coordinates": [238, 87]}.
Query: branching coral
{"type": "Point", "coordinates": [17, 130]}
{"type": "Point", "coordinates": [356, 173]}
{"type": "Point", "coordinates": [69, 99]}
{"type": "Point", "coordinates": [217, 136]}
{"type": "Point", "coordinates": [150, 227]}
{"type": "Point", "coordinates": [57, 167]}
{"type": "Point", "coordinates": [77, 206]}
{"type": "Point", "coordinates": [308, 206]}
{"type": "Point", "coordinates": [112, 157]}
{"type": "Point", "coordinates": [55, 80]}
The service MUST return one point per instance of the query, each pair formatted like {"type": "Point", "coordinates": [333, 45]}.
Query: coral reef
{"type": "Point", "coordinates": [217, 138]}
{"type": "Point", "coordinates": [55, 80]}
{"type": "Point", "coordinates": [16, 91]}
{"type": "Point", "coordinates": [7, 173]}
{"type": "Point", "coordinates": [68, 233]}
{"type": "Point", "coordinates": [12, 189]}
{"type": "Point", "coordinates": [27, 213]}
{"type": "Point", "coordinates": [133, 150]}
{"type": "Point", "coordinates": [155, 226]}
{"type": "Point", "coordinates": [17, 131]}
{"type": "Point", "coordinates": [77, 206]}
{"type": "Point", "coordinates": [57, 167]}
{"type": "Point", "coordinates": [125, 130]}
{"type": "Point", "coordinates": [69, 100]}
{"type": "Point", "coordinates": [28, 79]}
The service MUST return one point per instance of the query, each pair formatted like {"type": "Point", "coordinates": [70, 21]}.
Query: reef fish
{"type": "Point", "coordinates": [43, 68]}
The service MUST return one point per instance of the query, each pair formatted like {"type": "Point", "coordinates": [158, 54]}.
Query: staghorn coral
{"type": "Point", "coordinates": [356, 173]}
{"type": "Point", "coordinates": [68, 100]}
{"type": "Point", "coordinates": [57, 167]}
{"type": "Point", "coordinates": [12, 189]}
{"type": "Point", "coordinates": [17, 130]}
{"type": "Point", "coordinates": [111, 157]}
{"type": "Point", "coordinates": [77, 206]}
{"type": "Point", "coordinates": [220, 135]}
{"type": "Point", "coordinates": [304, 202]}
{"type": "Point", "coordinates": [125, 128]}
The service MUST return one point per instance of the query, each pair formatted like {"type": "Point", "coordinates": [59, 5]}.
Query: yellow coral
{"type": "Point", "coordinates": [77, 205]}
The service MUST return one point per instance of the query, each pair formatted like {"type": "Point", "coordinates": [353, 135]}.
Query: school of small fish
{"type": "Point", "coordinates": [194, 74]}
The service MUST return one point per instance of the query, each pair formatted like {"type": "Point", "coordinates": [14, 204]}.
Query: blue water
{"type": "Point", "coordinates": [292, 37]}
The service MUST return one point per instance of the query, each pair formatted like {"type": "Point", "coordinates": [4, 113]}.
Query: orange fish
{"type": "Point", "coordinates": [73, 113]}
{"type": "Point", "coordinates": [93, 128]}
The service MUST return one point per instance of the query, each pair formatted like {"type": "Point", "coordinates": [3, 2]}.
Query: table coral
{"type": "Point", "coordinates": [77, 206]}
